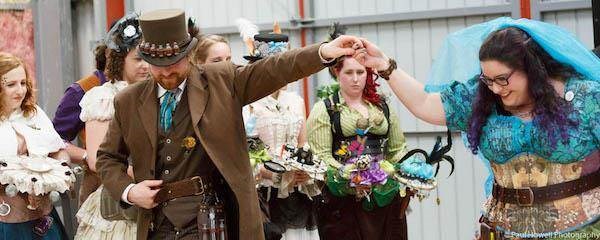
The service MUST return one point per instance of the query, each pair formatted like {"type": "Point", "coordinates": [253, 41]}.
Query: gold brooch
{"type": "Point", "coordinates": [189, 143]}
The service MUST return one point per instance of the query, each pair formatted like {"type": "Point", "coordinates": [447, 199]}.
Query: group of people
{"type": "Point", "coordinates": [180, 143]}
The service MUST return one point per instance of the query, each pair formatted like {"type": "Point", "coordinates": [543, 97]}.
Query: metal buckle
{"type": "Point", "coordinates": [531, 197]}
{"type": "Point", "coordinates": [200, 191]}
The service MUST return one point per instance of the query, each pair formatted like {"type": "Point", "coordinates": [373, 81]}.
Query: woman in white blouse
{"type": "Point", "coordinates": [26, 131]}
{"type": "Point", "coordinates": [123, 67]}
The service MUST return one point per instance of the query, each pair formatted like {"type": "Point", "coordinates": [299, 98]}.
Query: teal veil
{"type": "Point", "coordinates": [458, 58]}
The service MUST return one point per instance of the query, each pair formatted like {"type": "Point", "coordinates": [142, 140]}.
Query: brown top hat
{"type": "Point", "coordinates": [166, 39]}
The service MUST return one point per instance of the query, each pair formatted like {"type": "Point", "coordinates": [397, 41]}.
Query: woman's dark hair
{"type": "Point", "coordinates": [115, 64]}
{"type": "Point", "coordinates": [517, 50]}
{"type": "Point", "coordinates": [100, 56]}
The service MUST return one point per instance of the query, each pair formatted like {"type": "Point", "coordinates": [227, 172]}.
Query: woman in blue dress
{"type": "Point", "coordinates": [527, 96]}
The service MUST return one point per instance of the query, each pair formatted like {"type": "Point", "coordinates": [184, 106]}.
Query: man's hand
{"type": "Point", "coordinates": [343, 45]}
{"type": "Point", "coordinates": [142, 194]}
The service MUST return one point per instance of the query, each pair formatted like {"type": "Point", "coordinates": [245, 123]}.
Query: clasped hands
{"type": "Point", "coordinates": [365, 52]}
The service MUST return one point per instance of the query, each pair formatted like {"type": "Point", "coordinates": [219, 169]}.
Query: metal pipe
{"type": "Point", "coordinates": [526, 9]}
{"type": "Point", "coordinates": [596, 22]}
{"type": "Point", "coordinates": [303, 44]}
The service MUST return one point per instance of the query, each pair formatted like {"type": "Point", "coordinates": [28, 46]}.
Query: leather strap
{"type": "Point", "coordinates": [86, 84]}
{"type": "Point", "coordinates": [537, 195]}
{"type": "Point", "coordinates": [190, 187]}
{"type": "Point", "coordinates": [89, 82]}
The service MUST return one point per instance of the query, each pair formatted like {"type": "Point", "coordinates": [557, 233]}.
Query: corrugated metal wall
{"type": "Point", "coordinates": [413, 43]}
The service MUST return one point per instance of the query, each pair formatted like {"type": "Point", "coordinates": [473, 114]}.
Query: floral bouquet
{"type": "Point", "coordinates": [362, 171]}
{"type": "Point", "coordinates": [414, 174]}
{"type": "Point", "coordinates": [257, 151]}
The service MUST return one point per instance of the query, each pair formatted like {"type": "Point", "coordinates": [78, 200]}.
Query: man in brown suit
{"type": "Point", "coordinates": [184, 132]}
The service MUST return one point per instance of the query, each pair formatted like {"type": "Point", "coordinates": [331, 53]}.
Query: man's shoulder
{"type": "Point", "coordinates": [133, 91]}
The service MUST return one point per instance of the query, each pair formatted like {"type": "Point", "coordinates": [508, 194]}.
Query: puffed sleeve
{"type": "Point", "coordinates": [457, 100]}
{"type": "Point", "coordinates": [97, 104]}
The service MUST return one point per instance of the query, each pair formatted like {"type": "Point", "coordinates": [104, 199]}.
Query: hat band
{"type": "Point", "coordinates": [266, 49]}
{"type": "Point", "coordinates": [159, 50]}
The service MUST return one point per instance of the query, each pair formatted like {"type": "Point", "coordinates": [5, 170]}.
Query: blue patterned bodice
{"type": "Point", "coordinates": [505, 137]}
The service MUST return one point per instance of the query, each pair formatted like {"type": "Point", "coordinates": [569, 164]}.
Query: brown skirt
{"type": "Point", "coordinates": [345, 218]}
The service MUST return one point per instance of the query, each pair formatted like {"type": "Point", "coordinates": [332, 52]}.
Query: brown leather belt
{"type": "Point", "coordinates": [190, 187]}
{"type": "Point", "coordinates": [536, 195]}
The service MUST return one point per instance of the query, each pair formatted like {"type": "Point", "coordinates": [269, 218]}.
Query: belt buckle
{"type": "Point", "coordinates": [200, 191]}
{"type": "Point", "coordinates": [531, 197]}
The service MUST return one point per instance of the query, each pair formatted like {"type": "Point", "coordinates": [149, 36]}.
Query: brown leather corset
{"type": "Point", "coordinates": [18, 207]}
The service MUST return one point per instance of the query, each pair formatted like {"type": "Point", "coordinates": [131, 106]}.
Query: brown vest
{"type": "Point", "coordinates": [176, 162]}
{"type": "Point", "coordinates": [90, 181]}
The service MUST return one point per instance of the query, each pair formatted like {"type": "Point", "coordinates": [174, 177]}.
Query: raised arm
{"type": "Point", "coordinates": [256, 80]}
{"type": "Point", "coordinates": [425, 106]}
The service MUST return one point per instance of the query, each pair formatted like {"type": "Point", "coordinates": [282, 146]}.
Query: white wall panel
{"type": "Point", "coordinates": [384, 6]}
{"type": "Point", "coordinates": [219, 13]}
{"type": "Point", "coordinates": [84, 38]}
{"type": "Point", "coordinates": [578, 22]}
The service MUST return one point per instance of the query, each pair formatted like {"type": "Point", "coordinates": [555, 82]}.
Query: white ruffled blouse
{"type": "Point", "coordinates": [277, 122]}
{"type": "Point", "coordinates": [97, 103]}
{"type": "Point", "coordinates": [37, 130]}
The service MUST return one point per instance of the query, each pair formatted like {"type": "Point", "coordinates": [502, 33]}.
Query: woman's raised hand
{"type": "Point", "coordinates": [371, 56]}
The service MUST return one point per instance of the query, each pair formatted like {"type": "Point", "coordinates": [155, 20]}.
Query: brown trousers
{"type": "Point", "coordinates": [345, 218]}
{"type": "Point", "coordinates": [167, 230]}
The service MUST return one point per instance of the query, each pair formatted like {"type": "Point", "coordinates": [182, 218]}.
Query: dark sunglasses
{"type": "Point", "coordinates": [501, 80]}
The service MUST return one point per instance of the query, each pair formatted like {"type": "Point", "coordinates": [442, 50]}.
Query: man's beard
{"type": "Point", "coordinates": [168, 80]}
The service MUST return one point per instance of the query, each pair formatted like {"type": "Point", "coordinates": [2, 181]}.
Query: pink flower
{"type": "Point", "coordinates": [356, 147]}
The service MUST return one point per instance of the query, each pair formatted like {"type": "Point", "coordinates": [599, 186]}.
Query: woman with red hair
{"type": "Point", "coordinates": [31, 154]}
{"type": "Point", "coordinates": [359, 137]}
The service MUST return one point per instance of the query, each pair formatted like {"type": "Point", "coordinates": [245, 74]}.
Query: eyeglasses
{"type": "Point", "coordinates": [500, 80]}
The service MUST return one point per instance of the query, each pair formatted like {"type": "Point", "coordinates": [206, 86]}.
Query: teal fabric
{"type": "Point", "coordinates": [504, 137]}
{"type": "Point", "coordinates": [458, 58]}
{"type": "Point", "coordinates": [457, 62]}
{"type": "Point", "coordinates": [24, 231]}
{"type": "Point", "coordinates": [416, 167]}
{"type": "Point", "coordinates": [167, 107]}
